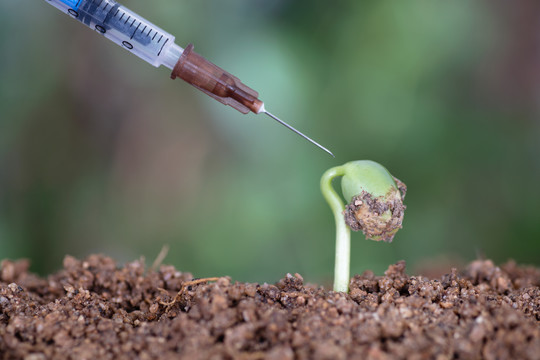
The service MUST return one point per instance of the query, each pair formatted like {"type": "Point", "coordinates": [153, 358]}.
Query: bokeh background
{"type": "Point", "coordinates": [102, 153]}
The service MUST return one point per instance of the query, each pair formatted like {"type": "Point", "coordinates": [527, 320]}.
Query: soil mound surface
{"type": "Point", "coordinates": [95, 309]}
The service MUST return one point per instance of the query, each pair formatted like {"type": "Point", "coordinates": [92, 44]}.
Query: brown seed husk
{"type": "Point", "coordinates": [401, 187]}
{"type": "Point", "coordinates": [379, 218]}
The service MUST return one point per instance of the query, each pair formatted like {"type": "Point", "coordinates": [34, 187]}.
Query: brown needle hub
{"type": "Point", "coordinates": [216, 82]}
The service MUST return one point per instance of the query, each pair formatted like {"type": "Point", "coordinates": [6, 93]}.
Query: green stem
{"type": "Point", "coordinates": [343, 234]}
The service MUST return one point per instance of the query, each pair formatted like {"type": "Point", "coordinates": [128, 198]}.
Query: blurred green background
{"type": "Point", "coordinates": [102, 153]}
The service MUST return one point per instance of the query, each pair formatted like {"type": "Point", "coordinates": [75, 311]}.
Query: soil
{"type": "Point", "coordinates": [95, 309]}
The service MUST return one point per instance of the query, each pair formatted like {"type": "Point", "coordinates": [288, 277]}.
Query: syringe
{"type": "Point", "coordinates": [157, 47]}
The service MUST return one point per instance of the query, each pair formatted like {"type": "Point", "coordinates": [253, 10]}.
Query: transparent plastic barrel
{"type": "Point", "coordinates": [125, 28]}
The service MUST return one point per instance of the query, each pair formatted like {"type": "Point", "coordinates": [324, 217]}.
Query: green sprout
{"type": "Point", "coordinates": [375, 206]}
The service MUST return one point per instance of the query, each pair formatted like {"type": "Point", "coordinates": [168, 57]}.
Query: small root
{"type": "Point", "coordinates": [257, 355]}
{"type": "Point", "coordinates": [186, 285]}
{"type": "Point", "coordinates": [159, 259]}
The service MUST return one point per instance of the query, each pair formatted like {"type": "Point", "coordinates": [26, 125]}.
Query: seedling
{"type": "Point", "coordinates": [375, 206]}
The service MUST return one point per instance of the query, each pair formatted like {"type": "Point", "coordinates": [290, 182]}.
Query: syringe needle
{"type": "Point", "coordinates": [224, 87]}
{"type": "Point", "coordinates": [298, 132]}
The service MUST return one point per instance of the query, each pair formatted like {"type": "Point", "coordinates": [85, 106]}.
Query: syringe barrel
{"type": "Point", "coordinates": [157, 47]}
{"type": "Point", "coordinates": [125, 28]}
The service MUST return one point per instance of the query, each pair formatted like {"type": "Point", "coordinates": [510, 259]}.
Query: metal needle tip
{"type": "Point", "coordinates": [297, 132]}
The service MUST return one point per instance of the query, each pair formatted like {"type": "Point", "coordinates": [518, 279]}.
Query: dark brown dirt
{"type": "Point", "coordinates": [93, 309]}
